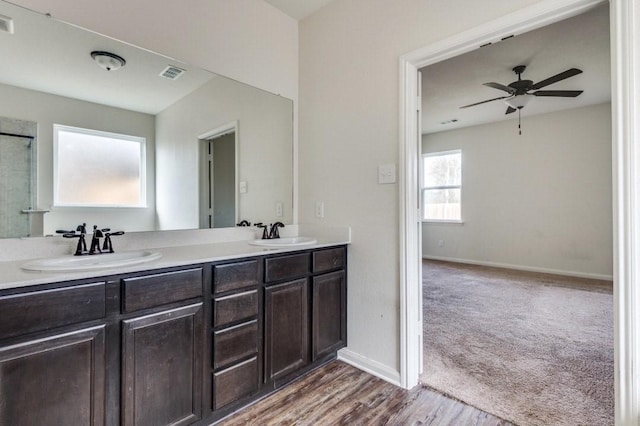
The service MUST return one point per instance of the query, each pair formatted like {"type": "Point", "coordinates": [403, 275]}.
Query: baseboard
{"type": "Point", "coordinates": [370, 366]}
{"type": "Point", "coordinates": [523, 268]}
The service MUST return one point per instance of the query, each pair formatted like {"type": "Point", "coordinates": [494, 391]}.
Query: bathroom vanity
{"type": "Point", "coordinates": [185, 344]}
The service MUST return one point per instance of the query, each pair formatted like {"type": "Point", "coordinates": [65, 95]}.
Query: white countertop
{"type": "Point", "coordinates": [12, 276]}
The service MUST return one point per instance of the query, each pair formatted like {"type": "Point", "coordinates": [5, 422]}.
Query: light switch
{"type": "Point", "coordinates": [387, 173]}
{"type": "Point", "coordinates": [243, 187]}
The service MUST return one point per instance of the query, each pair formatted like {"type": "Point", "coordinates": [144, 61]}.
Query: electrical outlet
{"type": "Point", "coordinates": [278, 209]}
{"type": "Point", "coordinates": [243, 187]}
{"type": "Point", "coordinates": [319, 209]}
{"type": "Point", "coordinates": [440, 243]}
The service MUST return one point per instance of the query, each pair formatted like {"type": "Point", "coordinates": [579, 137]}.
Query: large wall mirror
{"type": "Point", "coordinates": [215, 152]}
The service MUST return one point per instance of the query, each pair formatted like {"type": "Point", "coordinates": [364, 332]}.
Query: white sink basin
{"type": "Point", "coordinates": [283, 242]}
{"type": "Point", "coordinates": [91, 262]}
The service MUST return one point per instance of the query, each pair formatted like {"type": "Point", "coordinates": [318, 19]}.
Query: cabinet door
{"type": "Point", "coordinates": [286, 328]}
{"type": "Point", "coordinates": [162, 367]}
{"type": "Point", "coordinates": [56, 380]}
{"type": "Point", "coordinates": [329, 322]}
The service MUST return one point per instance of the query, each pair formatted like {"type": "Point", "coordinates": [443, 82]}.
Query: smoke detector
{"type": "Point", "coordinates": [6, 24]}
{"type": "Point", "coordinates": [108, 61]}
{"type": "Point", "coordinates": [172, 73]}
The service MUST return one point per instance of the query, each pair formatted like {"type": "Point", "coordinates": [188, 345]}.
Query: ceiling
{"type": "Point", "coordinates": [580, 42]}
{"type": "Point", "coordinates": [298, 9]}
{"type": "Point", "coordinates": [54, 57]}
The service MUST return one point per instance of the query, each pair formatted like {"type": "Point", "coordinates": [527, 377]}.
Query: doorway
{"type": "Point", "coordinates": [626, 161]}
{"type": "Point", "coordinates": [218, 178]}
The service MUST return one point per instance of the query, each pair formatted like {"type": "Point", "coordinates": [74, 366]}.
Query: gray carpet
{"type": "Point", "coordinates": [534, 349]}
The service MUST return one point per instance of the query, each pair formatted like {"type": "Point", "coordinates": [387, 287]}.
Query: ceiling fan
{"type": "Point", "coordinates": [520, 92]}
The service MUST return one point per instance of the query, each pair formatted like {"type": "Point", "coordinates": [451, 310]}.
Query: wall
{"type": "Point", "coordinates": [247, 40]}
{"type": "Point", "coordinates": [46, 110]}
{"type": "Point", "coordinates": [265, 155]}
{"type": "Point", "coordinates": [539, 201]}
{"type": "Point", "coordinates": [349, 94]}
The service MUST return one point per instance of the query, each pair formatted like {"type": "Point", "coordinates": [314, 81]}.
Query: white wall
{"type": "Point", "coordinates": [47, 110]}
{"type": "Point", "coordinates": [265, 152]}
{"type": "Point", "coordinates": [349, 94]}
{"type": "Point", "coordinates": [539, 201]}
{"type": "Point", "coordinates": [248, 40]}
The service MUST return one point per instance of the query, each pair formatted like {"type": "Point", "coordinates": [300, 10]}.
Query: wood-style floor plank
{"type": "Point", "coordinates": [339, 394]}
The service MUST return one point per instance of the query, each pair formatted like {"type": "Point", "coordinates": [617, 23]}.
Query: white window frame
{"type": "Point", "coordinates": [424, 188]}
{"type": "Point", "coordinates": [90, 132]}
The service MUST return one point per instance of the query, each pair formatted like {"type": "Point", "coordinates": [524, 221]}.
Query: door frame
{"type": "Point", "coordinates": [625, 96]}
{"type": "Point", "coordinates": [203, 139]}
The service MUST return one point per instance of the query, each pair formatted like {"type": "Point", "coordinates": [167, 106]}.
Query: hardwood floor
{"type": "Point", "coordinates": [339, 394]}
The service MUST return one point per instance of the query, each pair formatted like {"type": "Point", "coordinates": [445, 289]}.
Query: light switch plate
{"type": "Point", "coordinates": [386, 173]}
{"type": "Point", "coordinates": [243, 187]}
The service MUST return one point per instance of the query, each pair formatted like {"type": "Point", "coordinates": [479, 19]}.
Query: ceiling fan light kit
{"type": "Point", "coordinates": [520, 92]}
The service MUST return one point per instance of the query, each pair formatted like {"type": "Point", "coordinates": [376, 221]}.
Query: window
{"type": "Point", "coordinates": [442, 186]}
{"type": "Point", "coordinates": [98, 169]}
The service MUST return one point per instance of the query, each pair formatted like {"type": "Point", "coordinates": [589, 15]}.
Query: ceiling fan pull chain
{"type": "Point", "coordinates": [519, 128]}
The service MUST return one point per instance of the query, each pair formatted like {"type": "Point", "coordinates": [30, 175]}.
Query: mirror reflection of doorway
{"type": "Point", "coordinates": [218, 174]}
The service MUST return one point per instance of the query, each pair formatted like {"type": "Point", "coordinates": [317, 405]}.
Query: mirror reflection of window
{"type": "Point", "coordinates": [98, 169]}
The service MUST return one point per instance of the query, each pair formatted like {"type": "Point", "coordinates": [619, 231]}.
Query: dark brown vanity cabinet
{"type": "Point", "coordinates": [329, 302]}
{"type": "Point", "coordinates": [236, 326]}
{"type": "Point", "coordinates": [162, 349]}
{"type": "Point", "coordinates": [286, 328]}
{"type": "Point", "coordinates": [303, 326]}
{"type": "Point", "coordinates": [52, 371]}
{"type": "Point", "coordinates": [179, 346]}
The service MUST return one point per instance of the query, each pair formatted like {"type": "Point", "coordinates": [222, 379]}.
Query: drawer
{"type": "Point", "coordinates": [235, 383]}
{"type": "Point", "coordinates": [328, 260]}
{"type": "Point", "coordinates": [160, 289]}
{"type": "Point", "coordinates": [234, 276]}
{"type": "Point", "coordinates": [286, 267]}
{"type": "Point", "coordinates": [42, 310]}
{"type": "Point", "coordinates": [236, 307]}
{"type": "Point", "coordinates": [235, 343]}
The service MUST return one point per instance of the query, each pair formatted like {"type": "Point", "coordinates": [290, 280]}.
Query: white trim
{"type": "Point", "coordinates": [370, 366]}
{"type": "Point", "coordinates": [625, 61]}
{"type": "Point", "coordinates": [523, 268]}
{"type": "Point", "coordinates": [625, 31]}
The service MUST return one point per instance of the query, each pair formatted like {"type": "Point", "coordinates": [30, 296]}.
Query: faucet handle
{"type": "Point", "coordinates": [265, 233]}
{"type": "Point", "coordinates": [107, 240]}
{"type": "Point", "coordinates": [274, 230]}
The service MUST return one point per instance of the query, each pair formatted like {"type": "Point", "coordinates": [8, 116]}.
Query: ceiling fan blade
{"type": "Point", "coordinates": [554, 79]}
{"type": "Point", "coordinates": [500, 87]}
{"type": "Point", "coordinates": [561, 93]}
{"type": "Point", "coordinates": [484, 102]}
{"type": "Point", "coordinates": [510, 110]}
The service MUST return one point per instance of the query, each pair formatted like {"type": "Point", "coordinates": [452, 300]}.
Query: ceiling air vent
{"type": "Point", "coordinates": [6, 24]}
{"type": "Point", "coordinates": [172, 73]}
